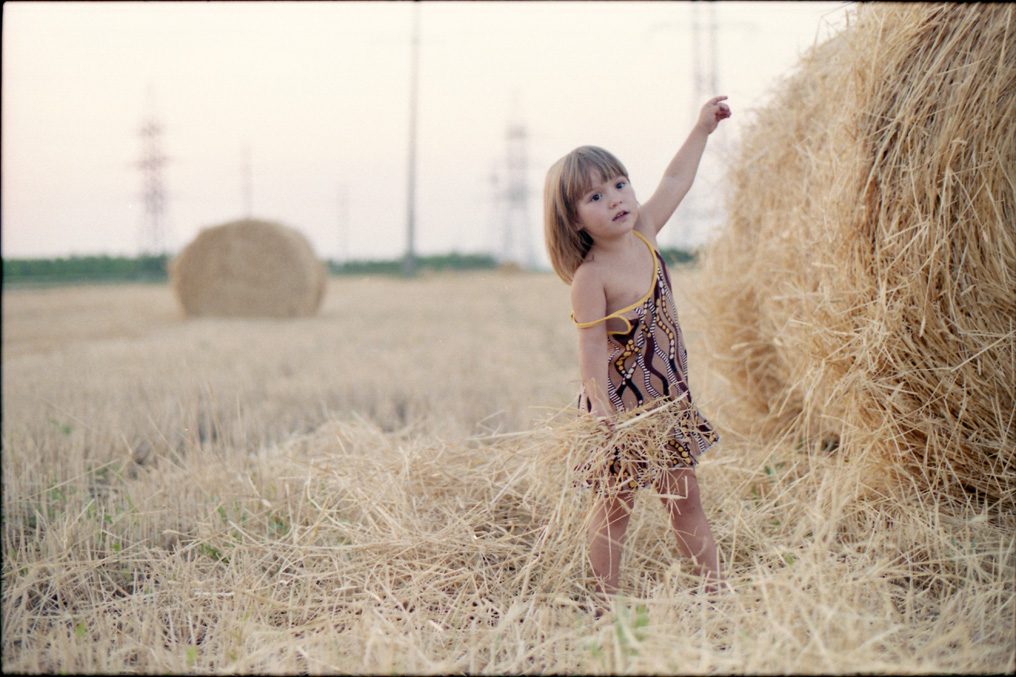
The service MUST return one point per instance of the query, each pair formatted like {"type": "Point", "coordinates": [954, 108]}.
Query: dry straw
{"type": "Point", "coordinates": [248, 268]}
{"type": "Point", "coordinates": [863, 294]}
{"type": "Point", "coordinates": [354, 550]}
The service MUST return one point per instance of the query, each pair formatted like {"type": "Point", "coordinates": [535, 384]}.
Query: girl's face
{"type": "Point", "coordinates": [607, 208]}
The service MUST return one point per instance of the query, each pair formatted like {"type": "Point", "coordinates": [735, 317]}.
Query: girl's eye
{"type": "Point", "coordinates": [594, 197]}
{"type": "Point", "coordinates": [620, 185]}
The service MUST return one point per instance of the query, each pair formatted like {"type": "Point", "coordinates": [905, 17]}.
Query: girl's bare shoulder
{"type": "Point", "coordinates": [592, 272]}
{"type": "Point", "coordinates": [588, 295]}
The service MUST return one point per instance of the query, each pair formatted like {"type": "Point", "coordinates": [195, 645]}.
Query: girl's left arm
{"type": "Point", "coordinates": [680, 173]}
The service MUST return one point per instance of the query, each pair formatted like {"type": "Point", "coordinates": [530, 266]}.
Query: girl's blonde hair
{"type": "Point", "coordinates": [567, 180]}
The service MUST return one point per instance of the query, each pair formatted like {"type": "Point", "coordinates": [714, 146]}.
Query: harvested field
{"type": "Point", "coordinates": [384, 487]}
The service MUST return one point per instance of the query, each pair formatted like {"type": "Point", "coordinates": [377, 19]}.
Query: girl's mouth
{"type": "Point", "coordinates": [620, 216]}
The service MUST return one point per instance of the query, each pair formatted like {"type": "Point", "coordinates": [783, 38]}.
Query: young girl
{"type": "Point", "coordinates": [602, 242]}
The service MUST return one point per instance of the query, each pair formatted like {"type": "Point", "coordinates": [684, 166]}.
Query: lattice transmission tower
{"type": "Point", "coordinates": [700, 209]}
{"type": "Point", "coordinates": [703, 53]}
{"type": "Point", "coordinates": [154, 236]}
{"type": "Point", "coordinates": [516, 239]}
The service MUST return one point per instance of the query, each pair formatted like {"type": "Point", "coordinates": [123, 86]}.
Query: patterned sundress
{"type": "Point", "coordinates": [647, 367]}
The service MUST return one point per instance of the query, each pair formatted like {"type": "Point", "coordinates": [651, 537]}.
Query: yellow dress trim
{"type": "Point", "coordinates": [617, 313]}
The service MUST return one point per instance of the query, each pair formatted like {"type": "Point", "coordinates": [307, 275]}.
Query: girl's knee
{"type": "Point", "coordinates": [618, 505]}
{"type": "Point", "coordinates": [614, 509]}
{"type": "Point", "coordinates": [679, 484]}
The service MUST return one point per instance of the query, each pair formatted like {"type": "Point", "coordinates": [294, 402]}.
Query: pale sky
{"type": "Point", "coordinates": [317, 96]}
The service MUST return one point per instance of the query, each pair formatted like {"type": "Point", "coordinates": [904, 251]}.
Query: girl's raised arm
{"type": "Point", "coordinates": [680, 173]}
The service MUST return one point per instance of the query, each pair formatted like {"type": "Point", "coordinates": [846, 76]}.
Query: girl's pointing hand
{"type": "Point", "coordinates": [711, 114]}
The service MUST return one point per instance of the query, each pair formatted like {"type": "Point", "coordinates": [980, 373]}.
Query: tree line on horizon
{"type": "Point", "coordinates": [153, 268]}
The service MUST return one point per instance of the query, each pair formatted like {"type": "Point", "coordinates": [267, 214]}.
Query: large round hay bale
{"type": "Point", "coordinates": [248, 268]}
{"type": "Point", "coordinates": [863, 292]}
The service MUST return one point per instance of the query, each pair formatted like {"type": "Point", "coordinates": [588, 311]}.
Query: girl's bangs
{"type": "Point", "coordinates": [586, 164]}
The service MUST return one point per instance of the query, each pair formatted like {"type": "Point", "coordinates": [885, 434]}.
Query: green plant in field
{"type": "Point", "coordinates": [65, 428]}
{"type": "Point", "coordinates": [277, 526]}
{"type": "Point", "coordinates": [213, 552]}
{"type": "Point", "coordinates": [49, 504]}
{"type": "Point", "coordinates": [235, 519]}
{"type": "Point", "coordinates": [217, 552]}
{"type": "Point", "coordinates": [631, 631]}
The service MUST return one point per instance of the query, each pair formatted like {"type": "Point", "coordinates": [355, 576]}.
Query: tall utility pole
{"type": "Point", "coordinates": [247, 183]}
{"type": "Point", "coordinates": [153, 233]}
{"type": "Point", "coordinates": [409, 263]}
{"type": "Point", "coordinates": [343, 223]}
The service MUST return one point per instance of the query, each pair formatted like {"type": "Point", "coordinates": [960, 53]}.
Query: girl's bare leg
{"type": "Point", "coordinates": [606, 534]}
{"type": "Point", "coordinates": [679, 492]}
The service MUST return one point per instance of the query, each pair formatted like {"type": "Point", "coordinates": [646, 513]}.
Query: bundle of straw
{"type": "Point", "coordinates": [863, 293]}
{"type": "Point", "coordinates": [248, 268]}
{"type": "Point", "coordinates": [638, 441]}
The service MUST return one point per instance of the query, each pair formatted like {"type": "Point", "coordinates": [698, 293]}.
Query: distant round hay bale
{"type": "Point", "coordinates": [863, 292]}
{"type": "Point", "coordinates": [248, 268]}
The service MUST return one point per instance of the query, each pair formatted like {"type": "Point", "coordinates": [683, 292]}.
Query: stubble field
{"type": "Point", "coordinates": [384, 487]}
